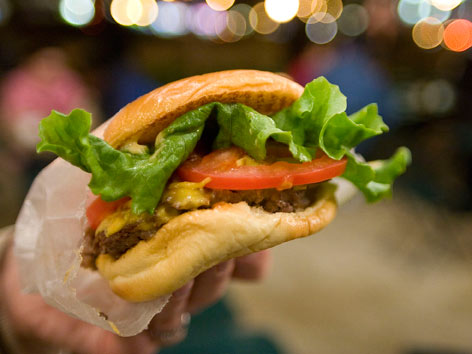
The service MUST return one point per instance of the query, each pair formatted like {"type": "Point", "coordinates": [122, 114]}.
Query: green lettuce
{"type": "Point", "coordinates": [317, 120]}
{"type": "Point", "coordinates": [116, 174]}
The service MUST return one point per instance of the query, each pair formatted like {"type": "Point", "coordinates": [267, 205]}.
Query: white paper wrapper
{"type": "Point", "coordinates": [48, 239]}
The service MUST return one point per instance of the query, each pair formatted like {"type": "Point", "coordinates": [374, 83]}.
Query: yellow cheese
{"type": "Point", "coordinates": [187, 195]}
{"type": "Point", "coordinates": [165, 213]}
{"type": "Point", "coordinates": [246, 161]}
{"type": "Point", "coordinates": [119, 219]}
{"type": "Point", "coordinates": [177, 196]}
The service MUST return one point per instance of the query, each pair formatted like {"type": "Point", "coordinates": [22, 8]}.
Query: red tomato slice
{"type": "Point", "coordinates": [100, 209]}
{"type": "Point", "coordinates": [221, 167]}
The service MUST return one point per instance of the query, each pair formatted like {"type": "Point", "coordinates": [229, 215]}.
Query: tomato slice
{"type": "Point", "coordinates": [100, 209]}
{"type": "Point", "coordinates": [222, 167]}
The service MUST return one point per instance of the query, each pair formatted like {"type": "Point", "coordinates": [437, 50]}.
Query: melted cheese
{"type": "Point", "coordinates": [177, 196]}
{"type": "Point", "coordinates": [164, 213]}
{"type": "Point", "coordinates": [119, 219]}
{"type": "Point", "coordinates": [246, 161]}
{"type": "Point", "coordinates": [187, 195]}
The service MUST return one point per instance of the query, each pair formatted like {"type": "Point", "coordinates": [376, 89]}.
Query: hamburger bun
{"type": "Point", "coordinates": [197, 240]}
{"type": "Point", "coordinates": [142, 119]}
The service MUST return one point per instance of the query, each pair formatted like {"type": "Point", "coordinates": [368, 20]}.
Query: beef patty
{"type": "Point", "coordinates": [271, 200]}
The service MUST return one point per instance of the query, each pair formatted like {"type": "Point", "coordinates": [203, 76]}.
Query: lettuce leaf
{"type": "Point", "coordinates": [116, 174]}
{"type": "Point", "coordinates": [242, 126]}
{"type": "Point", "coordinates": [375, 179]}
{"type": "Point", "coordinates": [316, 120]}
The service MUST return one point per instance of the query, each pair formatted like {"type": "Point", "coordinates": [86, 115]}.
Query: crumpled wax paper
{"type": "Point", "coordinates": [48, 239]}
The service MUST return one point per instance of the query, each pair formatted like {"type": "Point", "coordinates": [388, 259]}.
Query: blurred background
{"type": "Point", "coordinates": [394, 277]}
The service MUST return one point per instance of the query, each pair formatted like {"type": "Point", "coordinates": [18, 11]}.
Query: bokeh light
{"type": "Point", "coordinates": [426, 10]}
{"type": "Point", "coordinates": [260, 21]}
{"type": "Point", "coordinates": [428, 33]}
{"type": "Point", "coordinates": [134, 12]}
{"type": "Point", "coordinates": [220, 5]}
{"type": "Point", "coordinates": [234, 27]}
{"type": "Point", "coordinates": [446, 5]}
{"type": "Point", "coordinates": [281, 10]}
{"type": "Point", "coordinates": [354, 20]}
{"type": "Point", "coordinates": [77, 12]}
{"type": "Point", "coordinates": [149, 12]}
{"type": "Point", "coordinates": [412, 11]}
{"type": "Point", "coordinates": [309, 7]}
{"type": "Point", "coordinates": [409, 10]}
{"type": "Point", "coordinates": [458, 35]}
{"type": "Point", "coordinates": [433, 97]}
{"type": "Point", "coordinates": [205, 22]}
{"type": "Point", "coordinates": [236, 23]}
{"type": "Point", "coordinates": [306, 8]}
{"type": "Point", "coordinates": [321, 32]}
{"type": "Point", "coordinates": [244, 10]}
{"type": "Point", "coordinates": [171, 19]}
{"type": "Point", "coordinates": [123, 11]}
{"type": "Point", "coordinates": [437, 96]}
{"type": "Point", "coordinates": [334, 8]}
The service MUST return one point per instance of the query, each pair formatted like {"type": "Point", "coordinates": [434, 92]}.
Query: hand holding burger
{"type": "Point", "coordinates": [32, 326]}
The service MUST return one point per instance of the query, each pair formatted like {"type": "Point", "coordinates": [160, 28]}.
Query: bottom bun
{"type": "Point", "coordinates": [197, 240]}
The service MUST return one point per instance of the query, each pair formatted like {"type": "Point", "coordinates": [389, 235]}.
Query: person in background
{"type": "Point", "coordinates": [28, 93]}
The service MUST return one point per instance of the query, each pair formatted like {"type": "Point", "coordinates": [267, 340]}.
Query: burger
{"type": "Point", "coordinates": [213, 167]}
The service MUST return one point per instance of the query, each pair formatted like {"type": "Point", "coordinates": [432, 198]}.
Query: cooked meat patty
{"type": "Point", "coordinates": [271, 200]}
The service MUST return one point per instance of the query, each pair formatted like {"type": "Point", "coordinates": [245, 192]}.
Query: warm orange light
{"type": "Point", "coordinates": [130, 12]}
{"type": "Point", "coordinates": [149, 13]}
{"type": "Point", "coordinates": [428, 33]}
{"type": "Point", "coordinates": [220, 5]}
{"type": "Point", "coordinates": [260, 21]}
{"type": "Point", "coordinates": [458, 35]}
{"type": "Point", "coordinates": [335, 8]}
{"type": "Point", "coordinates": [331, 11]}
{"type": "Point", "coordinates": [281, 10]}
{"type": "Point", "coordinates": [306, 8]}
{"type": "Point", "coordinates": [309, 7]}
{"type": "Point", "coordinates": [119, 12]}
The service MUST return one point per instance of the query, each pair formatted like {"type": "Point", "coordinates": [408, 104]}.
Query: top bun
{"type": "Point", "coordinates": [142, 119]}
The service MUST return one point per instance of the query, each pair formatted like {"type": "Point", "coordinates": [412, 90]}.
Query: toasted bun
{"type": "Point", "coordinates": [143, 119]}
{"type": "Point", "coordinates": [195, 241]}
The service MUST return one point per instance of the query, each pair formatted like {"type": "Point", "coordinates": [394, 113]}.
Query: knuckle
{"type": "Point", "coordinates": [182, 293]}
{"type": "Point", "coordinates": [224, 269]}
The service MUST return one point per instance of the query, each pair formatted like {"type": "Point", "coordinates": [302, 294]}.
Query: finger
{"type": "Point", "coordinates": [169, 326]}
{"type": "Point", "coordinates": [210, 286]}
{"type": "Point", "coordinates": [254, 266]}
